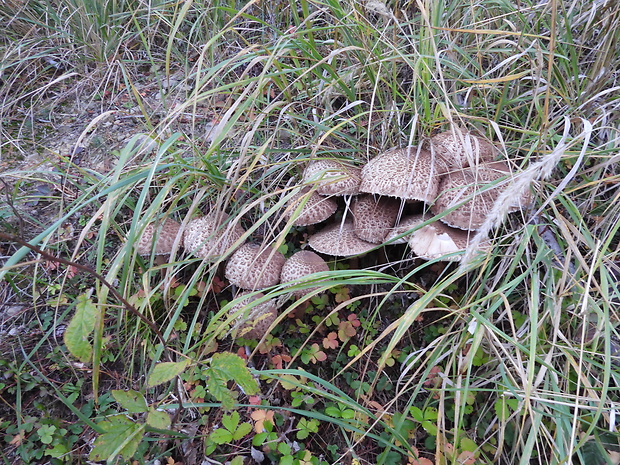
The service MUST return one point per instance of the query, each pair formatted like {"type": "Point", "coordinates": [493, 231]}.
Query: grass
{"type": "Point", "coordinates": [509, 358]}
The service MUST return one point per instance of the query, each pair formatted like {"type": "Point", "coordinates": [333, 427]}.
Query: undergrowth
{"type": "Point", "coordinates": [507, 358]}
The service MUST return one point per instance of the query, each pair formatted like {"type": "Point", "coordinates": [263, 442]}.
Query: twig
{"type": "Point", "coordinates": [49, 257]}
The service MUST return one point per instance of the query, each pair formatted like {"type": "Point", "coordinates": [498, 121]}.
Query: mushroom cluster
{"type": "Point", "coordinates": [393, 198]}
{"type": "Point", "coordinates": [431, 197]}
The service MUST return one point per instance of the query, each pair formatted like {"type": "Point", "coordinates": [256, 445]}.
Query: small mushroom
{"type": "Point", "coordinates": [340, 240]}
{"type": "Point", "coordinates": [315, 209]}
{"type": "Point", "coordinates": [409, 173]}
{"type": "Point", "coordinates": [256, 321]}
{"type": "Point", "coordinates": [158, 238]}
{"type": "Point", "coordinates": [405, 225]}
{"type": "Point", "coordinates": [254, 267]}
{"type": "Point", "coordinates": [374, 216]}
{"type": "Point", "coordinates": [299, 265]}
{"type": "Point", "coordinates": [334, 177]}
{"type": "Point", "coordinates": [209, 237]}
{"type": "Point", "coordinates": [439, 241]}
{"type": "Point", "coordinates": [461, 148]}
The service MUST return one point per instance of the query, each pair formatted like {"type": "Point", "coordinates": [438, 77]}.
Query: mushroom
{"type": "Point", "coordinates": [405, 225]}
{"type": "Point", "coordinates": [468, 189]}
{"type": "Point", "coordinates": [408, 173]}
{"type": "Point", "coordinates": [339, 239]}
{"type": "Point", "coordinates": [461, 148]}
{"type": "Point", "coordinates": [333, 177]}
{"type": "Point", "coordinates": [158, 238]}
{"type": "Point", "coordinates": [256, 321]}
{"type": "Point", "coordinates": [437, 240]}
{"type": "Point", "coordinates": [208, 237]}
{"type": "Point", "coordinates": [373, 217]}
{"type": "Point", "coordinates": [300, 264]}
{"type": "Point", "coordinates": [254, 267]}
{"type": "Point", "coordinates": [315, 209]}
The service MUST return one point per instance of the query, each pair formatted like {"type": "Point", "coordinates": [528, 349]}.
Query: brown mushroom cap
{"type": "Point", "coordinates": [408, 173]}
{"type": "Point", "coordinates": [374, 216]}
{"type": "Point", "coordinates": [315, 209]}
{"type": "Point", "coordinates": [334, 177]}
{"type": "Point", "coordinates": [405, 224]}
{"type": "Point", "coordinates": [437, 240]}
{"type": "Point", "coordinates": [461, 148]}
{"type": "Point", "coordinates": [165, 235]}
{"type": "Point", "coordinates": [255, 322]}
{"type": "Point", "coordinates": [254, 267]}
{"type": "Point", "coordinates": [339, 240]}
{"type": "Point", "coordinates": [301, 264]}
{"type": "Point", "coordinates": [208, 237]}
{"type": "Point", "coordinates": [471, 187]}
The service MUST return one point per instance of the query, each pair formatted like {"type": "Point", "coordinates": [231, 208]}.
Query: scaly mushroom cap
{"type": "Point", "coordinates": [208, 237]}
{"type": "Point", "coordinates": [470, 187]}
{"type": "Point", "coordinates": [255, 322]}
{"type": "Point", "coordinates": [315, 209]}
{"type": "Point", "coordinates": [254, 267]}
{"type": "Point", "coordinates": [407, 173]}
{"type": "Point", "coordinates": [461, 148]}
{"type": "Point", "coordinates": [301, 264]}
{"type": "Point", "coordinates": [404, 225]}
{"type": "Point", "coordinates": [374, 217]}
{"type": "Point", "coordinates": [339, 240]}
{"type": "Point", "coordinates": [334, 177]}
{"type": "Point", "coordinates": [437, 240]}
{"type": "Point", "coordinates": [165, 233]}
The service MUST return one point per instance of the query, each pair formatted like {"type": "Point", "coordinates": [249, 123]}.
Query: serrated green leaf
{"type": "Point", "coordinates": [166, 371]}
{"type": "Point", "coordinates": [221, 436]}
{"type": "Point", "coordinates": [468, 445]}
{"type": "Point", "coordinates": [242, 430]}
{"type": "Point", "coordinates": [430, 427]}
{"type": "Point", "coordinates": [431, 413]}
{"type": "Point", "coordinates": [79, 329]}
{"type": "Point", "coordinates": [233, 367]}
{"type": "Point", "coordinates": [416, 413]}
{"type": "Point", "coordinates": [238, 460]}
{"type": "Point", "coordinates": [231, 421]}
{"type": "Point", "coordinates": [158, 419]}
{"type": "Point", "coordinates": [226, 366]}
{"type": "Point", "coordinates": [131, 400]}
{"type": "Point", "coordinates": [122, 437]}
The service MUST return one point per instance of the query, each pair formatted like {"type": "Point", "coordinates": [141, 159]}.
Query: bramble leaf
{"type": "Point", "coordinates": [121, 437]}
{"type": "Point", "coordinates": [226, 366]}
{"type": "Point", "coordinates": [158, 419]}
{"type": "Point", "coordinates": [131, 400]}
{"type": "Point", "coordinates": [80, 327]}
{"type": "Point", "coordinates": [166, 371]}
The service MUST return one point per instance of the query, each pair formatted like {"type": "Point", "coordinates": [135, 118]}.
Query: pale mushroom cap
{"type": "Point", "coordinates": [334, 177]}
{"type": "Point", "coordinates": [254, 267]}
{"type": "Point", "coordinates": [255, 322]}
{"type": "Point", "coordinates": [315, 209]}
{"type": "Point", "coordinates": [437, 240]}
{"type": "Point", "coordinates": [301, 264]}
{"type": "Point", "coordinates": [339, 240]}
{"type": "Point", "coordinates": [209, 237]}
{"type": "Point", "coordinates": [407, 173]}
{"type": "Point", "coordinates": [404, 225]}
{"type": "Point", "coordinates": [374, 216]}
{"type": "Point", "coordinates": [461, 148]}
{"type": "Point", "coordinates": [470, 187]}
{"type": "Point", "coordinates": [166, 234]}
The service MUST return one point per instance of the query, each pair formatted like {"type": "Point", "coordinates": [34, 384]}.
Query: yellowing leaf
{"type": "Point", "coordinates": [131, 400]}
{"type": "Point", "coordinates": [121, 437]}
{"type": "Point", "coordinates": [166, 371]}
{"type": "Point", "coordinates": [80, 327]}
